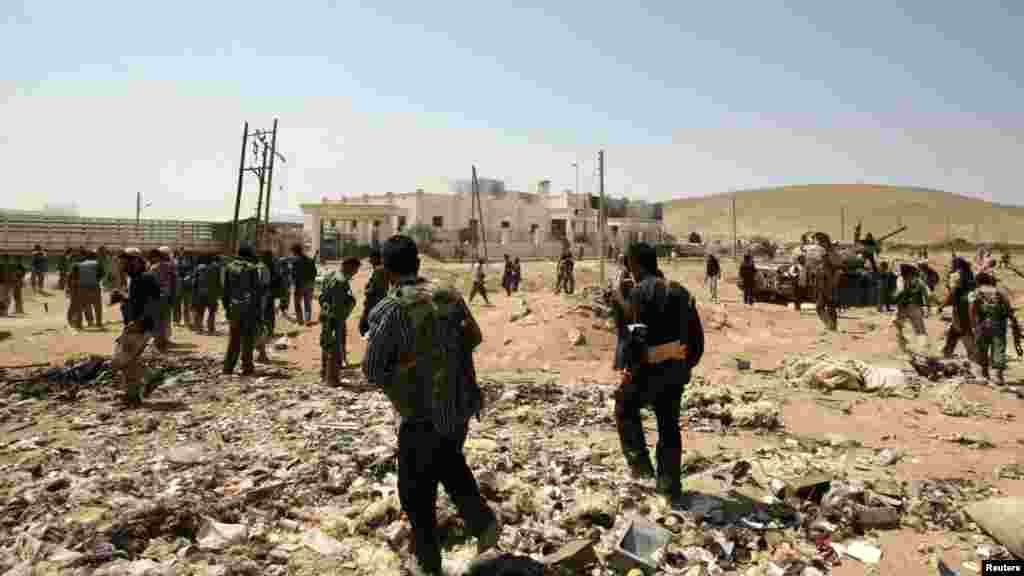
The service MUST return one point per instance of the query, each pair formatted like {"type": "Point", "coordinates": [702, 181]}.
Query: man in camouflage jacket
{"type": "Point", "coordinates": [245, 281]}
{"type": "Point", "coordinates": [989, 311]}
{"type": "Point", "coordinates": [336, 304]}
{"type": "Point", "coordinates": [909, 301]}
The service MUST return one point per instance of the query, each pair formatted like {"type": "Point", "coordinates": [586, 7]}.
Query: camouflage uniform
{"type": "Point", "coordinates": [909, 302]}
{"type": "Point", "coordinates": [992, 310]}
{"type": "Point", "coordinates": [245, 281]}
{"type": "Point", "coordinates": [336, 303]}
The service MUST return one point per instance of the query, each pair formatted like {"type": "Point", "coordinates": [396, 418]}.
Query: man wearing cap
{"type": "Point", "coordinates": [141, 310]}
{"type": "Point", "coordinates": [336, 303]}
{"type": "Point", "coordinates": [910, 296]}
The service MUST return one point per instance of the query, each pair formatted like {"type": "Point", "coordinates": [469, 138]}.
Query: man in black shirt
{"type": "Point", "coordinates": [304, 279]}
{"type": "Point", "coordinates": [666, 340]}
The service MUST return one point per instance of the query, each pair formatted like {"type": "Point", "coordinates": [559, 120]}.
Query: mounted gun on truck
{"type": "Point", "coordinates": [777, 279]}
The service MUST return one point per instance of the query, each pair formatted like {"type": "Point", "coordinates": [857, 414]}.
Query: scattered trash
{"type": "Point", "coordinates": [639, 547]}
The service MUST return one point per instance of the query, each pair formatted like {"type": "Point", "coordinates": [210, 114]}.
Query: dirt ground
{"type": "Point", "coordinates": [765, 333]}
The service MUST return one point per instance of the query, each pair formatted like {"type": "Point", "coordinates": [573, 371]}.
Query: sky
{"type": "Point", "coordinates": [102, 100]}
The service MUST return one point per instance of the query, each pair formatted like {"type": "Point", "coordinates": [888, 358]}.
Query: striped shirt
{"type": "Point", "coordinates": [390, 335]}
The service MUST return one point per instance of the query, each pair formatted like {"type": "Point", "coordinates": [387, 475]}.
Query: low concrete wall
{"type": "Point", "coordinates": [497, 250]}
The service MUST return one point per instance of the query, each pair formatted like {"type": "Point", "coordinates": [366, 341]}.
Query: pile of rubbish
{"type": "Point", "coordinates": [272, 475]}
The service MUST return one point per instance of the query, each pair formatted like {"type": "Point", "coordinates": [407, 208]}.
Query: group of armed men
{"type": "Point", "coordinates": [420, 338]}
{"type": "Point", "coordinates": [982, 312]}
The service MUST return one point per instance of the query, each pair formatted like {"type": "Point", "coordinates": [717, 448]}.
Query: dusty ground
{"type": "Point", "coordinates": [765, 333]}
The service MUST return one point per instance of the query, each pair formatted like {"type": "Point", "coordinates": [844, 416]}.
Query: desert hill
{"type": "Point", "coordinates": [785, 213]}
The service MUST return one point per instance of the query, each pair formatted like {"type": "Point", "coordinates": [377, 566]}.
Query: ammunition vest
{"type": "Point", "coordinates": [991, 308]}
{"type": "Point", "coordinates": [247, 280]}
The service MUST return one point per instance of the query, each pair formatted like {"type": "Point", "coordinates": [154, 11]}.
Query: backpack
{"type": "Point", "coordinates": [336, 300]}
{"type": "Point", "coordinates": [992, 309]}
{"type": "Point", "coordinates": [437, 315]}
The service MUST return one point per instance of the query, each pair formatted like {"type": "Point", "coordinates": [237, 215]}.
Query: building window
{"type": "Point", "coordinates": [506, 224]}
{"type": "Point", "coordinates": [401, 223]}
{"type": "Point", "coordinates": [438, 221]}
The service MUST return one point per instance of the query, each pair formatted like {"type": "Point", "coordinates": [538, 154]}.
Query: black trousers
{"type": "Point", "coordinates": [748, 293]}
{"type": "Point", "coordinates": [661, 387]}
{"type": "Point", "coordinates": [242, 340]}
{"type": "Point", "coordinates": [426, 458]}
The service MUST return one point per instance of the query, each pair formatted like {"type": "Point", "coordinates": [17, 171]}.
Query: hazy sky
{"type": "Point", "coordinates": [103, 99]}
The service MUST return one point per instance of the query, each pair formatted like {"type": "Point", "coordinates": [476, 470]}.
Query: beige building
{"type": "Point", "coordinates": [518, 223]}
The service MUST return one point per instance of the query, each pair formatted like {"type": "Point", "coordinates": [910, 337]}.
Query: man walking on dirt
{"type": "Point", "coordinates": [86, 295]}
{"type": "Point", "coordinates": [39, 265]}
{"type": "Point", "coordinates": [336, 304]}
{"type": "Point", "coordinates": [304, 280]}
{"type": "Point", "coordinates": [245, 281]}
{"type": "Point", "coordinates": [961, 284]}
{"type": "Point", "coordinates": [666, 340]}
{"type": "Point", "coordinates": [479, 284]}
{"type": "Point", "coordinates": [141, 313]}
{"type": "Point", "coordinates": [748, 275]}
{"type": "Point", "coordinates": [162, 265]}
{"type": "Point", "coordinates": [990, 309]}
{"type": "Point", "coordinates": [712, 274]}
{"type": "Point", "coordinates": [909, 299]}
{"type": "Point", "coordinates": [420, 347]}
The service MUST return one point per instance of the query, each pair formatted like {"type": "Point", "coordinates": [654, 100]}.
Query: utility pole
{"type": "Point", "coordinates": [259, 199]}
{"type": "Point", "coordinates": [480, 234]}
{"type": "Point", "coordinates": [586, 204]}
{"type": "Point", "coordinates": [735, 245]}
{"type": "Point", "coordinates": [238, 195]}
{"type": "Point", "coordinates": [601, 213]}
{"type": "Point", "coordinates": [270, 170]}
